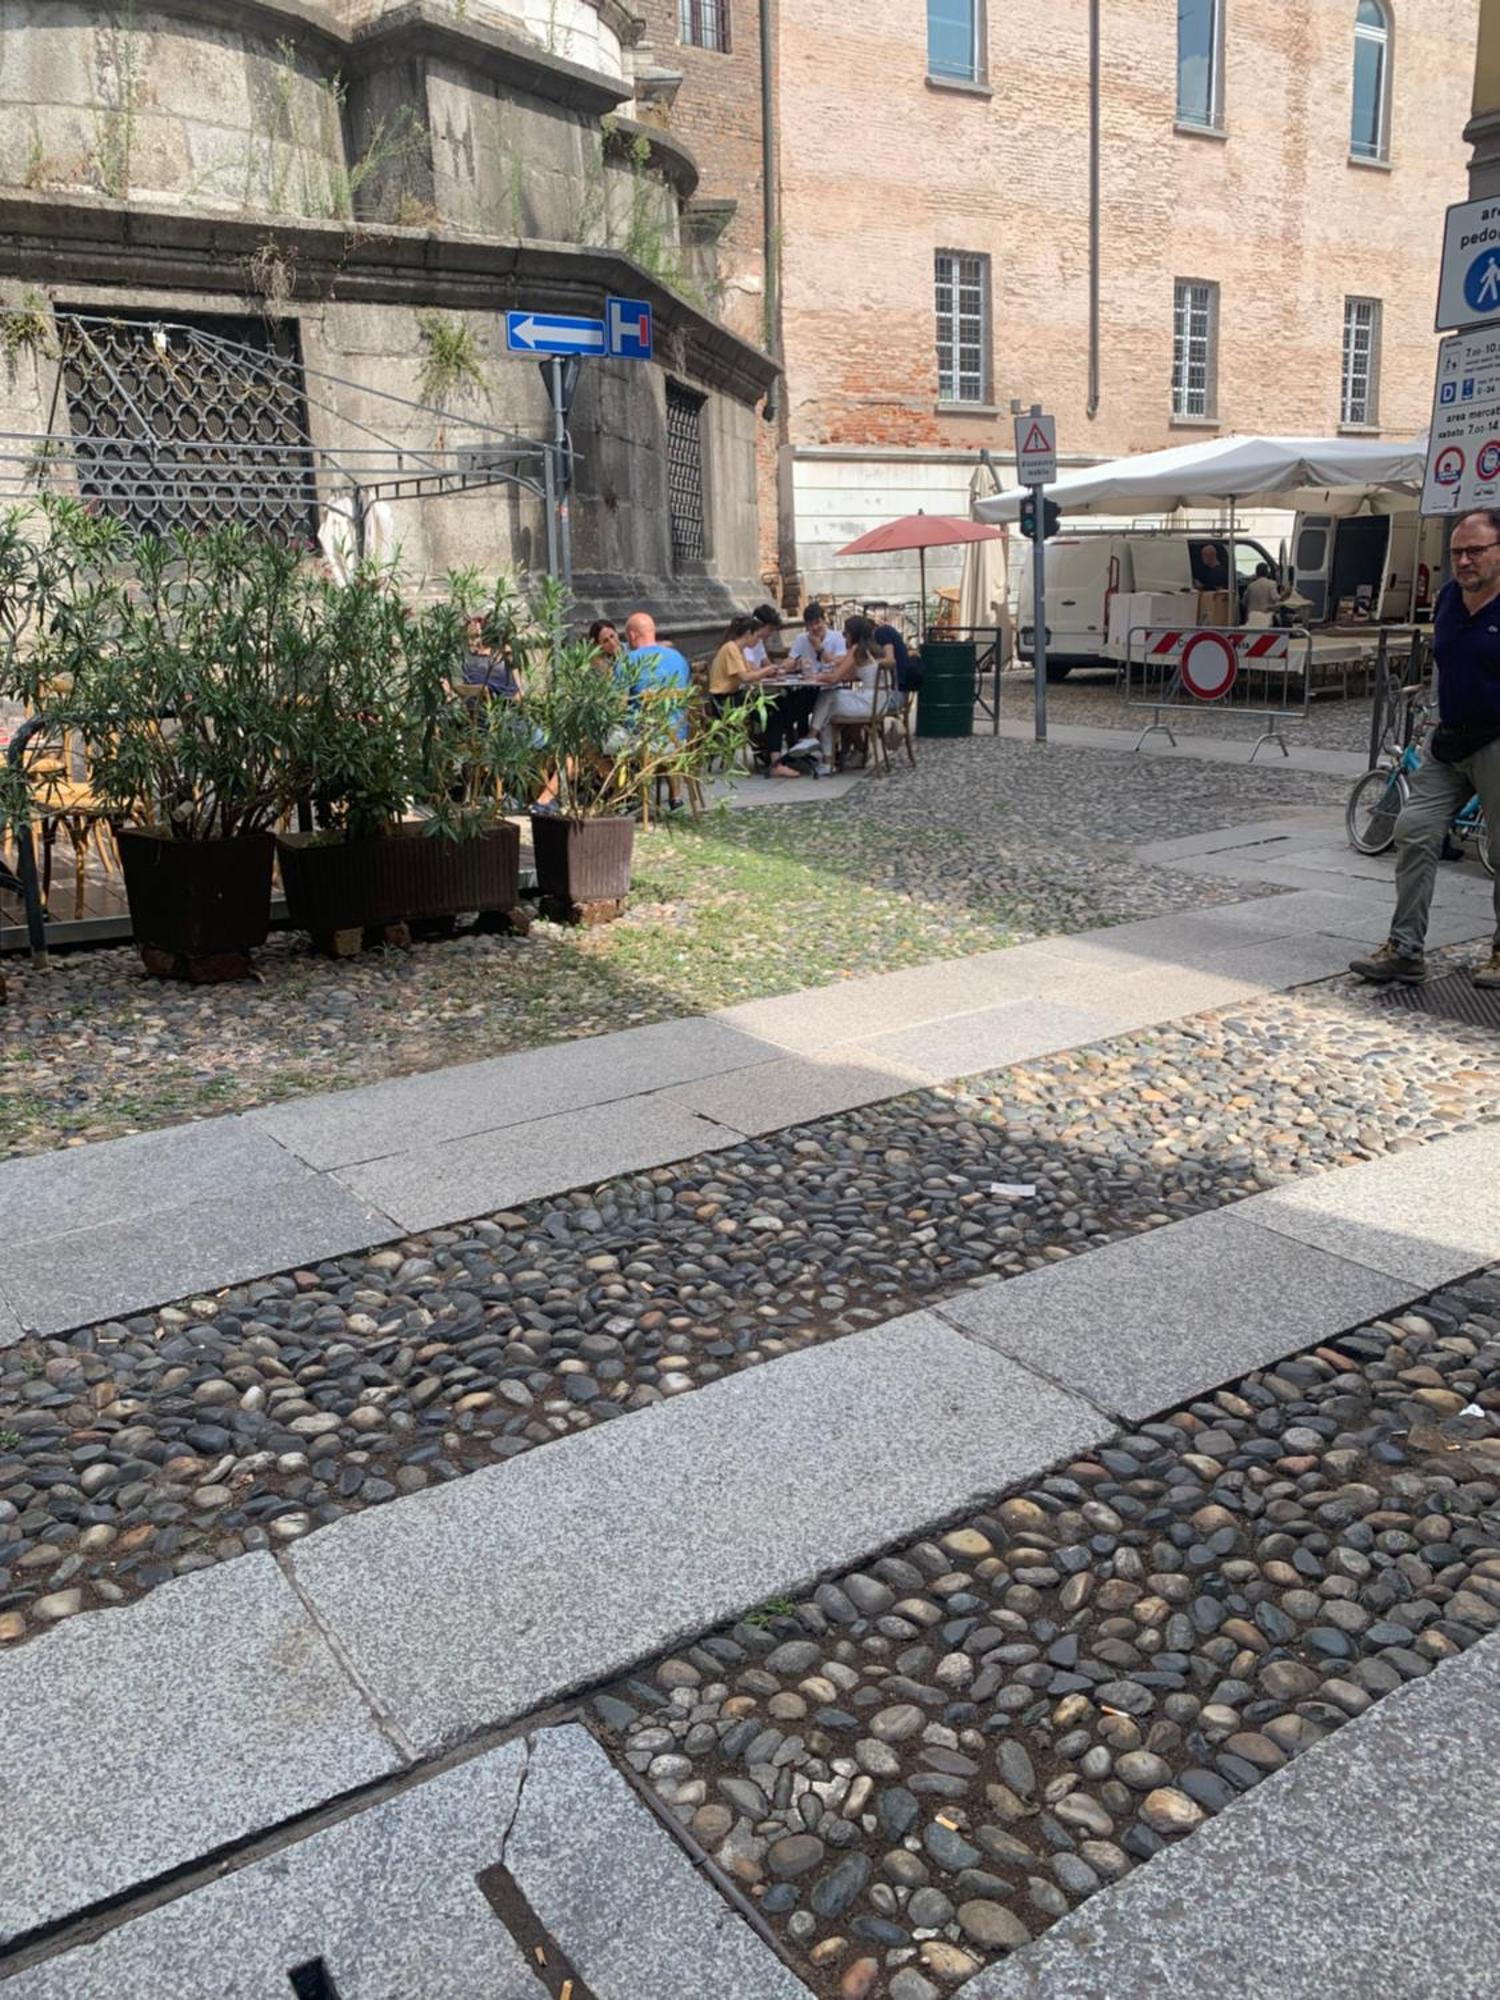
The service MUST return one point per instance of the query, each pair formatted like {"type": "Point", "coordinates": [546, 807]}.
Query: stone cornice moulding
{"type": "Point", "coordinates": [670, 158]}
{"type": "Point", "coordinates": [89, 240]}
{"type": "Point", "coordinates": [422, 26]}
{"type": "Point", "coordinates": [425, 28]}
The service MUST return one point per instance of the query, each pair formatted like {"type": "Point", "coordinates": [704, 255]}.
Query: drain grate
{"type": "Point", "coordinates": [1453, 997]}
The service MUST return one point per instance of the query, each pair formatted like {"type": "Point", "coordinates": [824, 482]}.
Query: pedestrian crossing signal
{"type": "Point", "coordinates": [1051, 518]}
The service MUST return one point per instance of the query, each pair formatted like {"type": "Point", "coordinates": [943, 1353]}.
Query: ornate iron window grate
{"type": "Point", "coordinates": [685, 473]}
{"type": "Point", "coordinates": [173, 429]}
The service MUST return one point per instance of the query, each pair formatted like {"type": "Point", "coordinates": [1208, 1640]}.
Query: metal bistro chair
{"type": "Point", "coordinates": [869, 729]}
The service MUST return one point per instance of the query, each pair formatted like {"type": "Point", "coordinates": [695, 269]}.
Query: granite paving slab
{"type": "Point", "coordinates": [224, 1237]}
{"type": "Point", "coordinates": [775, 1096]}
{"type": "Point", "coordinates": [386, 1900]}
{"type": "Point", "coordinates": [1426, 1216]}
{"type": "Point", "coordinates": [1161, 1318]}
{"type": "Point", "coordinates": [992, 1038]}
{"type": "Point", "coordinates": [431, 1186]}
{"type": "Point", "coordinates": [564, 1566]}
{"type": "Point", "coordinates": [118, 1180]}
{"type": "Point", "coordinates": [140, 1739]}
{"type": "Point", "coordinates": [349, 1127]}
{"type": "Point", "coordinates": [1369, 1869]}
{"type": "Point", "coordinates": [621, 1897]}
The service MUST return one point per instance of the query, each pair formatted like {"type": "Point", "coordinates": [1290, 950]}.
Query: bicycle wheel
{"type": "Point", "coordinates": [1482, 842]}
{"type": "Point", "coordinates": [1370, 816]}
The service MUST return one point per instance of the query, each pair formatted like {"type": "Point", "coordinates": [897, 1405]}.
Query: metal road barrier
{"type": "Point", "coordinates": [1252, 670]}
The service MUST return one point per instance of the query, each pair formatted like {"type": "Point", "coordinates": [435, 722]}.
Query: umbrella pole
{"type": "Point", "coordinates": [922, 613]}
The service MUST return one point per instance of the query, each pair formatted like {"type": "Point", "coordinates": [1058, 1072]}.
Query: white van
{"type": "Point", "coordinates": [1088, 568]}
{"type": "Point", "coordinates": [1387, 564]}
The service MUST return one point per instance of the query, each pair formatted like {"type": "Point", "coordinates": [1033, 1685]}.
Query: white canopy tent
{"type": "Point", "coordinates": [1306, 475]}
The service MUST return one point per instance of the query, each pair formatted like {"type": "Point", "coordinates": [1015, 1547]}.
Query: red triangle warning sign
{"type": "Point", "coordinates": [1037, 440]}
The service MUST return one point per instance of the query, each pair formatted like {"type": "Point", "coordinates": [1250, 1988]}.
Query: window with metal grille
{"type": "Point", "coordinates": [190, 422]}
{"type": "Point", "coordinates": [1195, 335]}
{"type": "Point", "coordinates": [962, 298]}
{"type": "Point", "coordinates": [704, 24]}
{"type": "Point", "coordinates": [685, 474]}
{"type": "Point", "coordinates": [1359, 400]}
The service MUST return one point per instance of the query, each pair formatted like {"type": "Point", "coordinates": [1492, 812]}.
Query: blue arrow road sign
{"type": "Point", "coordinates": [553, 333]}
{"type": "Point", "coordinates": [628, 322]}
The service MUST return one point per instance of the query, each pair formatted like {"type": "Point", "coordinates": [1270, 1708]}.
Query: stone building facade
{"type": "Point", "coordinates": [1242, 165]}
{"type": "Point", "coordinates": [377, 184]}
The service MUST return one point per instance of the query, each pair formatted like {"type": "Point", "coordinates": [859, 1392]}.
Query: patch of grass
{"type": "Point", "coordinates": [774, 1607]}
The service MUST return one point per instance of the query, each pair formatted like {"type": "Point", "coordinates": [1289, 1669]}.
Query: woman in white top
{"type": "Point", "coordinates": [849, 684]}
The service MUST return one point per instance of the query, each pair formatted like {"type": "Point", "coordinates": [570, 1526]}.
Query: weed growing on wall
{"type": "Point", "coordinates": [452, 359]}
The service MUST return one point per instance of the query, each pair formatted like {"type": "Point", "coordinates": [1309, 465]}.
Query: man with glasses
{"type": "Point", "coordinates": [1463, 757]}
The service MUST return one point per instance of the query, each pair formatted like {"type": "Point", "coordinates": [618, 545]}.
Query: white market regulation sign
{"type": "Point", "coordinates": [1463, 452]}
{"type": "Point", "coordinates": [1469, 283]}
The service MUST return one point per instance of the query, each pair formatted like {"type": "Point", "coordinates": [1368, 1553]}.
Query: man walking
{"type": "Point", "coordinates": [1463, 758]}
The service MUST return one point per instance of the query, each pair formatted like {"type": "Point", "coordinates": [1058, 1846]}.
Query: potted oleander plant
{"type": "Point", "coordinates": [180, 659]}
{"type": "Point", "coordinates": [607, 736]}
{"type": "Point", "coordinates": [409, 774]}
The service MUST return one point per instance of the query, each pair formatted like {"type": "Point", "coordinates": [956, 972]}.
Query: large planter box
{"type": "Point", "coordinates": [401, 877]}
{"type": "Point", "coordinates": [582, 865]}
{"type": "Point", "coordinates": [198, 908]}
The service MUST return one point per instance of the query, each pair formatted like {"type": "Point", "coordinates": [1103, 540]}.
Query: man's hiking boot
{"type": "Point", "coordinates": [1488, 974]}
{"type": "Point", "coordinates": [1389, 965]}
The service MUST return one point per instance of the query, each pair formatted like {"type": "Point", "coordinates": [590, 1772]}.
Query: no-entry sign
{"type": "Point", "coordinates": [1208, 665]}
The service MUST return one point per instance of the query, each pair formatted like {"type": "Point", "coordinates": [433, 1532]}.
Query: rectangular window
{"type": "Point", "coordinates": [955, 39]}
{"type": "Point", "coordinates": [1195, 339]}
{"type": "Point", "coordinates": [685, 474]}
{"type": "Point", "coordinates": [704, 24]}
{"type": "Point", "coordinates": [962, 297]}
{"type": "Point", "coordinates": [1199, 61]}
{"type": "Point", "coordinates": [1359, 400]}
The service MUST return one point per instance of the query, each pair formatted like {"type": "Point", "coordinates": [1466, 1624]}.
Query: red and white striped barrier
{"type": "Point", "coordinates": [1251, 670]}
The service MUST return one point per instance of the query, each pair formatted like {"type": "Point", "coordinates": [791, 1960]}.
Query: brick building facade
{"type": "Point", "coordinates": [1272, 190]}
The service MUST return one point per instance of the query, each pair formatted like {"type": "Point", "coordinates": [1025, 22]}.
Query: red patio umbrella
{"type": "Point", "coordinates": [921, 532]}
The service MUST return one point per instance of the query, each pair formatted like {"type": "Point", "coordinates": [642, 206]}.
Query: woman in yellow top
{"type": "Point", "coordinates": [730, 672]}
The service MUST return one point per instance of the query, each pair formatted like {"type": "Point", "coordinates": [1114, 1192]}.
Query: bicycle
{"type": "Point", "coordinates": [1376, 801]}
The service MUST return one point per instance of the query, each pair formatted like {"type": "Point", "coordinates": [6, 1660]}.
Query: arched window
{"type": "Point", "coordinates": [1368, 137]}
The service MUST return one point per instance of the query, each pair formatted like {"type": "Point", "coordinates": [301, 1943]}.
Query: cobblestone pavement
{"type": "Point", "coordinates": [922, 1765]}
{"type": "Point", "coordinates": [1095, 701]}
{"type": "Point", "coordinates": [133, 1452]}
{"type": "Point", "coordinates": [984, 844]}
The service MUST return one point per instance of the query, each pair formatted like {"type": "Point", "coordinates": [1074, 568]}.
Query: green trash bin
{"type": "Point", "coordinates": [950, 673]}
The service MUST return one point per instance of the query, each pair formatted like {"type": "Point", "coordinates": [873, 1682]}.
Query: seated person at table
{"type": "Point", "coordinates": [906, 667]}
{"type": "Point", "coordinates": [849, 686]}
{"type": "Point", "coordinates": [652, 665]}
{"type": "Point", "coordinates": [768, 627]}
{"type": "Point", "coordinates": [815, 646]}
{"type": "Point", "coordinates": [731, 670]}
{"type": "Point", "coordinates": [605, 640]}
{"type": "Point", "coordinates": [487, 669]}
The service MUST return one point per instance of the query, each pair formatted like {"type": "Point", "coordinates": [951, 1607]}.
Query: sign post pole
{"type": "Point", "coordinates": [562, 477]}
{"type": "Point", "coordinates": [1036, 468]}
{"type": "Point", "coordinates": [1039, 611]}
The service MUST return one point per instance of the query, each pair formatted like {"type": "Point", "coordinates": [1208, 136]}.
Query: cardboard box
{"type": "Point", "coordinates": [1214, 608]}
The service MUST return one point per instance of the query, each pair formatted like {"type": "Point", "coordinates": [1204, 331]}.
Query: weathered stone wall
{"type": "Point", "coordinates": [143, 102]}
{"type": "Point", "coordinates": [220, 156]}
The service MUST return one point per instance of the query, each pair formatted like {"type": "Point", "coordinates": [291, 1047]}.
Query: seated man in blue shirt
{"type": "Point", "coordinates": [654, 665]}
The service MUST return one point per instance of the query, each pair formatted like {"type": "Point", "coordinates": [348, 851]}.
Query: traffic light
{"type": "Point", "coordinates": [1051, 518]}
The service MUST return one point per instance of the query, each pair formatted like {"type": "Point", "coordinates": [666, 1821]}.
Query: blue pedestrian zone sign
{"type": "Point", "coordinates": [553, 333]}
{"type": "Point", "coordinates": [1482, 284]}
{"type": "Point", "coordinates": [628, 323]}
